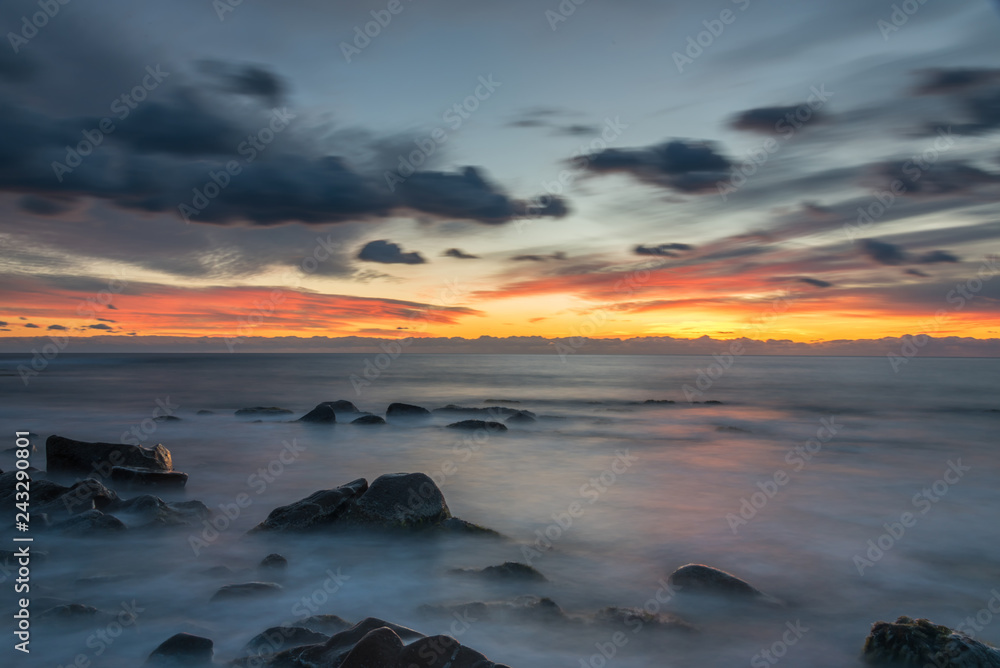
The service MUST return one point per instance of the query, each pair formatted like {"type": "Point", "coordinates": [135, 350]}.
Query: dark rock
{"type": "Point", "coordinates": [148, 510]}
{"type": "Point", "coordinates": [380, 647]}
{"type": "Point", "coordinates": [495, 413]}
{"type": "Point", "coordinates": [262, 410]}
{"type": "Point", "coordinates": [58, 501]}
{"type": "Point", "coordinates": [406, 412]}
{"type": "Point", "coordinates": [322, 414]}
{"type": "Point", "coordinates": [456, 525]}
{"type": "Point", "coordinates": [99, 580]}
{"type": "Point", "coordinates": [183, 649]}
{"type": "Point", "coordinates": [278, 638]}
{"type": "Point", "coordinates": [438, 652]}
{"type": "Point", "coordinates": [136, 477]}
{"type": "Point", "coordinates": [219, 572]}
{"type": "Point", "coordinates": [245, 590]}
{"type": "Point", "coordinates": [713, 402]}
{"type": "Point", "coordinates": [510, 570]}
{"type": "Point", "coordinates": [522, 417]}
{"type": "Point", "coordinates": [638, 618]}
{"type": "Point", "coordinates": [520, 610]}
{"type": "Point", "coordinates": [917, 643]}
{"type": "Point", "coordinates": [657, 401]}
{"type": "Point", "coordinates": [700, 579]}
{"type": "Point", "coordinates": [473, 425]}
{"type": "Point", "coordinates": [166, 418]}
{"type": "Point", "coordinates": [273, 562]}
{"type": "Point", "coordinates": [342, 406]}
{"type": "Point", "coordinates": [91, 521]}
{"type": "Point", "coordinates": [205, 412]}
{"type": "Point", "coordinates": [369, 420]}
{"type": "Point", "coordinates": [335, 650]}
{"type": "Point", "coordinates": [64, 454]}
{"type": "Point", "coordinates": [316, 511]}
{"type": "Point", "coordinates": [70, 613]}
{"type": "Point", "coordinates": [401, 499]}
{"type": "Point", "coordinates": [327, 624]}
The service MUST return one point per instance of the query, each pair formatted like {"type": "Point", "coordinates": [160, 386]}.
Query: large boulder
{"type": "Point", "coordinates": [183, 649]}
{"type": "Point", "coordinates": [322, 414]}
{"type": "Point", "coordinates": [701, 579]}
{"type": "Point", "coordinates": [368, 420]}
{"type": "Point", "coordinates": [917, 643]}
{"type": "Point", "coordinates": [406, 412]}
{"type": "Point", "coordinates": [98, 459]}
{"type": "Point", "coordinates": [393, 501]}
{"type": "Point", "coordinates": [131, 477]}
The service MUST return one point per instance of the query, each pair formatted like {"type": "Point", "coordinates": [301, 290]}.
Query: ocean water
{"type": "Point", "coordinates": [784, 484]}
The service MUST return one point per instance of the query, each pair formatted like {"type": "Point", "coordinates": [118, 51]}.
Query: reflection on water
{"type": "Point", "coordinates": [754, 486]}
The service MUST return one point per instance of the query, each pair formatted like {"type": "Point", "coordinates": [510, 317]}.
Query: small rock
{"type": "Point", "coordinates": [205, 412]}
{"type": "Point", "coordinates": [183, 649]}
{"type": "Point", "coordinates": [278, 638]}
{"type": "Point", "coordinates": [91, 521]}
{"type": "Point", "coordinates": [510, 570]}
{"type": "Point", "coordinates": [474, 425]}
{"type": "Point", "coordinates": [657, 401]}
{"type": "Point", "coordinates": [638, 618]}
{"type": "Point", "coordinates": [322, 414]}
{"type": "Point", "coordinates": [166, 418]}
{"type": "Point", "coordinates": [342, 406]}
{"type": "Point", "coordinates": [328, 624]}
{"type": "Point", "coordinates": [273, 562]}
{"type": "Point", "coordinates": [697, 578]}
{"type": "Point", "coordinates": [522, 417]}
{"type": "Point", "coordinates": [262, 410]}
{"type": "Point", "coordinates": [369, 420]}
{"type": "Point", "coordinates": [402, 499]}
{"type": "Point", "coordinates": [246, 590]}
{"type": "Point", "coordinates": [71, 612]}
{"type": "Point", "coordinates": [404, 412]}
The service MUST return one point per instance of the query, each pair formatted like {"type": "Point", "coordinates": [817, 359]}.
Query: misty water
{"type": "Point", "coordinates": [684, 471]}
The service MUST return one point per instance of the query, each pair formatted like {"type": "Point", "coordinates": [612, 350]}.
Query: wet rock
{"type": "Point", "coordinates": [378, 648]}
{"type": "Point", "coordinates": [509, 571]}
{"type": "Point", "coordinates": [456, 525]}
{"type": "Point", "coordinates": [342, 406]}
{"type": "Point", "coordinates": [404, 499]}
{"type": "Point", "coordinates": [246, 590]}
{"type": "Point", "coordinates": [130, 477]}
{"type": "Point", "coordinates": [258, 411]}
{"type": "Point", "coordinates": [474, 425]}
{"type": "Point", "coordinates": [701, 579]}
{"type": "Point", "coordinates": [369, 420]}
{"type": "Point", "coordinates": [58, 501]}
{"type": "Point", "coordinates": [917, 643]}
{"type": "Point", "coordinates": [67, 455]}
{"type": "Point", "coordinates": [335, 650]}
{"type": "Point", "coordinates": [183, 649]}
{"type": "Point", "coordinates": [278, 638]}
{"type": "Point", "coordinates": [166, 418]}
{"type": "Point", "coordinates": [273, 562]}
{"type": "Point", "coordinates": [438, 652]}
{"type": "Point", "coordinates": [315, 511]}
{"type": "Point", "coordinates": [327, 624]}
{"type": "Point", "coordinates": [522, 417]}
{"type": "Point", "coordinates": [90, 522]}
{"type": "Point", "coordinates": [148, 510]}
{"type": "Point", "coordinates": [322, 414]}
{"type": "Point", "coordinates": [638, 618]}
{"type": "Point", "coordinates": [406, 412]}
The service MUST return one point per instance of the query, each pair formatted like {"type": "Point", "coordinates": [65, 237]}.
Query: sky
{"type": "Point", "coordinates": [802, 172]}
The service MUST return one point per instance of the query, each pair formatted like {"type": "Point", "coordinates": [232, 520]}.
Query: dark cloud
{"type": "Point", "coordinates": [16, 68]}
{"type": "Point", "coordinates": [814, 281]}
{"type": "Point", "coordinates": [662, 250]}
{"type": "Point", "coordinates": [57, 327]}
{"type": "Point", "coordinates": [940, 81]}
{"type": "Point", "coordinates": [577, 130]}
{"type": "Point", "coordinates": [882, 252]}
{"type": "Point", "coordinates": [99, 326]}
{"type": "Point", "coordinates": [681, 165]}
{"type": "Point", "coordinates": [106, 320]}
{"type": "Point", "coordinates": [934, 257]}
{"type": "Point", "coordinates": [459, 254]}
{"type": "Point", "coordinates": [935, 178]}
{"type": "Point", "coordinates": [251, 80]}
{"type": "Point", "coordinates": [771, 120]}
{"type": "Point", "coordinates": [558, 256]}
{"type": "Point", "coordinates": [386, 252]}
{"type": "Point", "coordinates": [45, 206]}
{"type": "Point", "coordinates": [981, 115]}
{"type": "Point", "coordinates": [916, 272]}
{"type": "Point", "coordinates": [31, 325]}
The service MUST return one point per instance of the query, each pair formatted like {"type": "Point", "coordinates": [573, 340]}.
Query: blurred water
{"type": "Point", "coordinates": [690, 466]}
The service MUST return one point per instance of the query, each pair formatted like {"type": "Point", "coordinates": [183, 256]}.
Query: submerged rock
{"type": "Point", "coordinates": [91, 521]}
{"type": "Point", "coordinates": [474, 425]}
{"type": "Point", "coordinates": [136, 477]}
{"type": "Point", "coordinates": [98, 459]}
{"type": "Point", "coordinates": [342, 406]}
{"type": "Point", "coordinates": [651, 402]}
{"type": "Point", "coordinates": [166, 418]}
{"type": "Point", "coordinates": [204, 411]}
{"type": "Point", "coordinates": [245, 590]}
{"type": "Point", "coordinates": [58, 501]}
{"type": "Point", "coordinates": [71, 612]}
{"type": "Point", "coordinates": [393, 501]}
{"type": "Point", "coordinates": [369, 420]}
{"type": "Point", "coordinates": [278, 638]}
{"type": "Point", "coordinates": [273, 562]}
{"type": "Point", "coordinates": [638, 618]}
{"type": "Point", "coordinates": [257, 411]}
{"type": "Point", "coordinates": [405, 412]}
{"type": "Point", "coordinates": [510, 570]}
{"type": "Point", "coordinates": [148, 510]}
{"type": "Point", "coordinates": [917, 643]}
{"type": "Point", "coordinates": [519, 610]}
{"type": "Point", "coordinates": [327, 624]}
{"type": "Point", "coordinates": [522, 417]}
{"type": "Point", "coordinates": [701, 579]}
{"type": "Point", "coordinates": [322, 414]}
{"type": "Point", "coordinates": [183, 649]}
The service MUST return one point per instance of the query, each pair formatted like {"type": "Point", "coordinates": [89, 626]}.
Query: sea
{"type": "Point", "coordinates": [849, 490]}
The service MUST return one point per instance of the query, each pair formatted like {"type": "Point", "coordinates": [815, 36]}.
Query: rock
{"type": "Point", "coordinates": [148, 510]}
{"type": "Point", "coordinates": [166, 418]}
{"type": "Point", "coordinates": [136, 477]}
{"type": "Point", "coordinates": [510, 570]}
{"type": "Point", "coordinates": [520, 610]}
{"type": "Point", "coordinates": [64, 454]}
{"type": "Point", "coordinates": [369, 420]}
{"type": "Point", "coordinates": [657, 401]}
{"type": "Point", "coordinates": [71, 612]}
{"type": "Point", "coordinates": [438, 652]}
{"type": "Point", "coordinates": [316, 511]}
{"type": "Point", "coordinates": [322, 414]}
{"type": "Point", "coordinates": [58, 501]}
{"type": "Point", "coordinates": [380, 647]}
{"type": "Point", "coordinates": [393, 501]}
{"type": "Point", "coordinates": [219, 572]}
{"type": "Point", "coordinates": [342, 406]}
{"type": "Point", "coordinates": [183, 649]}
{"type": "Point", "coordinates": [327, 624]}
{"type": "Point", "coordinates": [401, 499]}
{"type": "Point", "coordinates": [262, 410]}
{"type": "Point", "coordinates": [246, 590]}
{"type": "Point", "coordinates": [522, 417]}
{"type": "Point", "coordinates": [406, 412]}
{"type": "Point", "coordinates": [205, 412]}
{"type": "Point", "coordinates": [638, 618]}
{"type": "Point", "coordinates": [91, 521]}
{"type": "Point", "coordinates": [917, 643]}
{"type": "Point", "coordinates": [273, 562]}
{"type": "Point", "coordinates": [278, 638]}
{"type": "Point", "coordinates": [335, 650]}
{"type": "Point", "coordinates": [697, 578]}
{"type": "Point", "coordinates": [474, 425]}
{"type": "Point", "coordinates": [494, 413]}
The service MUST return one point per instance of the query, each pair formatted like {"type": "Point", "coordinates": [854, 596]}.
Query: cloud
{"type": "Point", "coordinates": [106, 320]}
{"type": "Point", "coordinates": [16, 68]}
{"type": "Point", "coordinates": [30, 325]}
{"type": "Point", "coordinates": [941, 178]}
{"type": "Point", "coordinates": [916, 272]}
{"type": "Point", "coordinates": [386, 252]}
{"type": "Point", "coordinates": [662, 250]}
{"type": "Point", "coordinates": [558, 256]}
{"type": "Point", "coordinates": [459, 254]}
{"type": "Point", "coordinates": [768, 120]}
{"type": "Point", "coordinates": [46, 206]}
{"type": "Point", "coordinates": [57, 327]}
{"type": "Point", "coordinates": [682, 165]}
{"type": "Point", "coordinates": [941, 81]}
{"type": "Point", "coordinates": [815, 282]}
{"type": "Point", "coordinates": [251, 80]}
{"type": "Point", "coordinates": [934, 257]}
{"type": "Point", "coordinates": [99, 326]}
{"type": "Point", "coordinates": [882, 252]}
